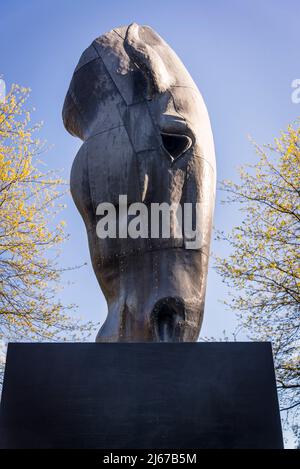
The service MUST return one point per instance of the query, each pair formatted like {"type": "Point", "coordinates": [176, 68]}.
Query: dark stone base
{"type": "Point", "coordinates": [185, 395]}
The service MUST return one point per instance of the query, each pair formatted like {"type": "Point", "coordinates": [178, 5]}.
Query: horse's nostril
{"type": "Point", "coordinates": [165, 322]}
{"type": "Point", "coordinates": [167, 317]}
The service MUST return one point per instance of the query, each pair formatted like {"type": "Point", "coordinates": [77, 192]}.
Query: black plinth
{"type": "Point", "coordinates": [200, 395]}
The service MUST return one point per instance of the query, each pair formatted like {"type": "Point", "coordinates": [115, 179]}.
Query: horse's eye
{"type": "Point", "coordinates": [175, 144]}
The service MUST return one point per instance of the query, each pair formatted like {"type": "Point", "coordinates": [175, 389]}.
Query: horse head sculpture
{"type": "Point", "coordinates": [147, 138]}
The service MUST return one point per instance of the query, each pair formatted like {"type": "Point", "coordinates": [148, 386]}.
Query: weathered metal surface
{"type": "Point", "coordinates": [146, 133]}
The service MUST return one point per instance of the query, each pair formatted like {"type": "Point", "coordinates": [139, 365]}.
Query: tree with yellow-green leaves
{"type": "Point", "coordinates": [263, 268]}
{"type": "Point", "coordinates": [29, 203]}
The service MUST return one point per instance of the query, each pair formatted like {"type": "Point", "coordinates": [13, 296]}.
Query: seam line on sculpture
{"type": "Point", "coordinates": [91, 179]}
{"type": "Point", "coordinates": [147, 149]}
{"type": "Point", "coordinates": [78, 107]}
{"type": "Point", "coordinates": [116, 32]}
{"type": "Point", "coordinates": [85, 64]}
{"type": "Point", "coordinates": [155, 126]}
{"type": "Point", "coordinates": [104, 131]}
{"type": "Point", "coordinates": [122, 97]}
{"type": "Point", "coordinates": [118, 107]}
{"type": "Point", "coordinates": [129, 137]}
{"type": "Point", "coordinates": [104, 64]}
{"type": "Point", "coordinates": [135, 252]}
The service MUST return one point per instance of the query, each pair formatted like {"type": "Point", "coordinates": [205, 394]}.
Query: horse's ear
{"type": "Point", "coordinates": [147, 59]}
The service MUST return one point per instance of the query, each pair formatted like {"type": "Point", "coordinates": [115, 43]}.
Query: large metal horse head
{"type": "Point", "coordinates": [146, 137]}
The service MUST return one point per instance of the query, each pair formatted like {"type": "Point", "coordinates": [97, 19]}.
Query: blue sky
{"type": "Point", "coordinates": [243, 55]}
